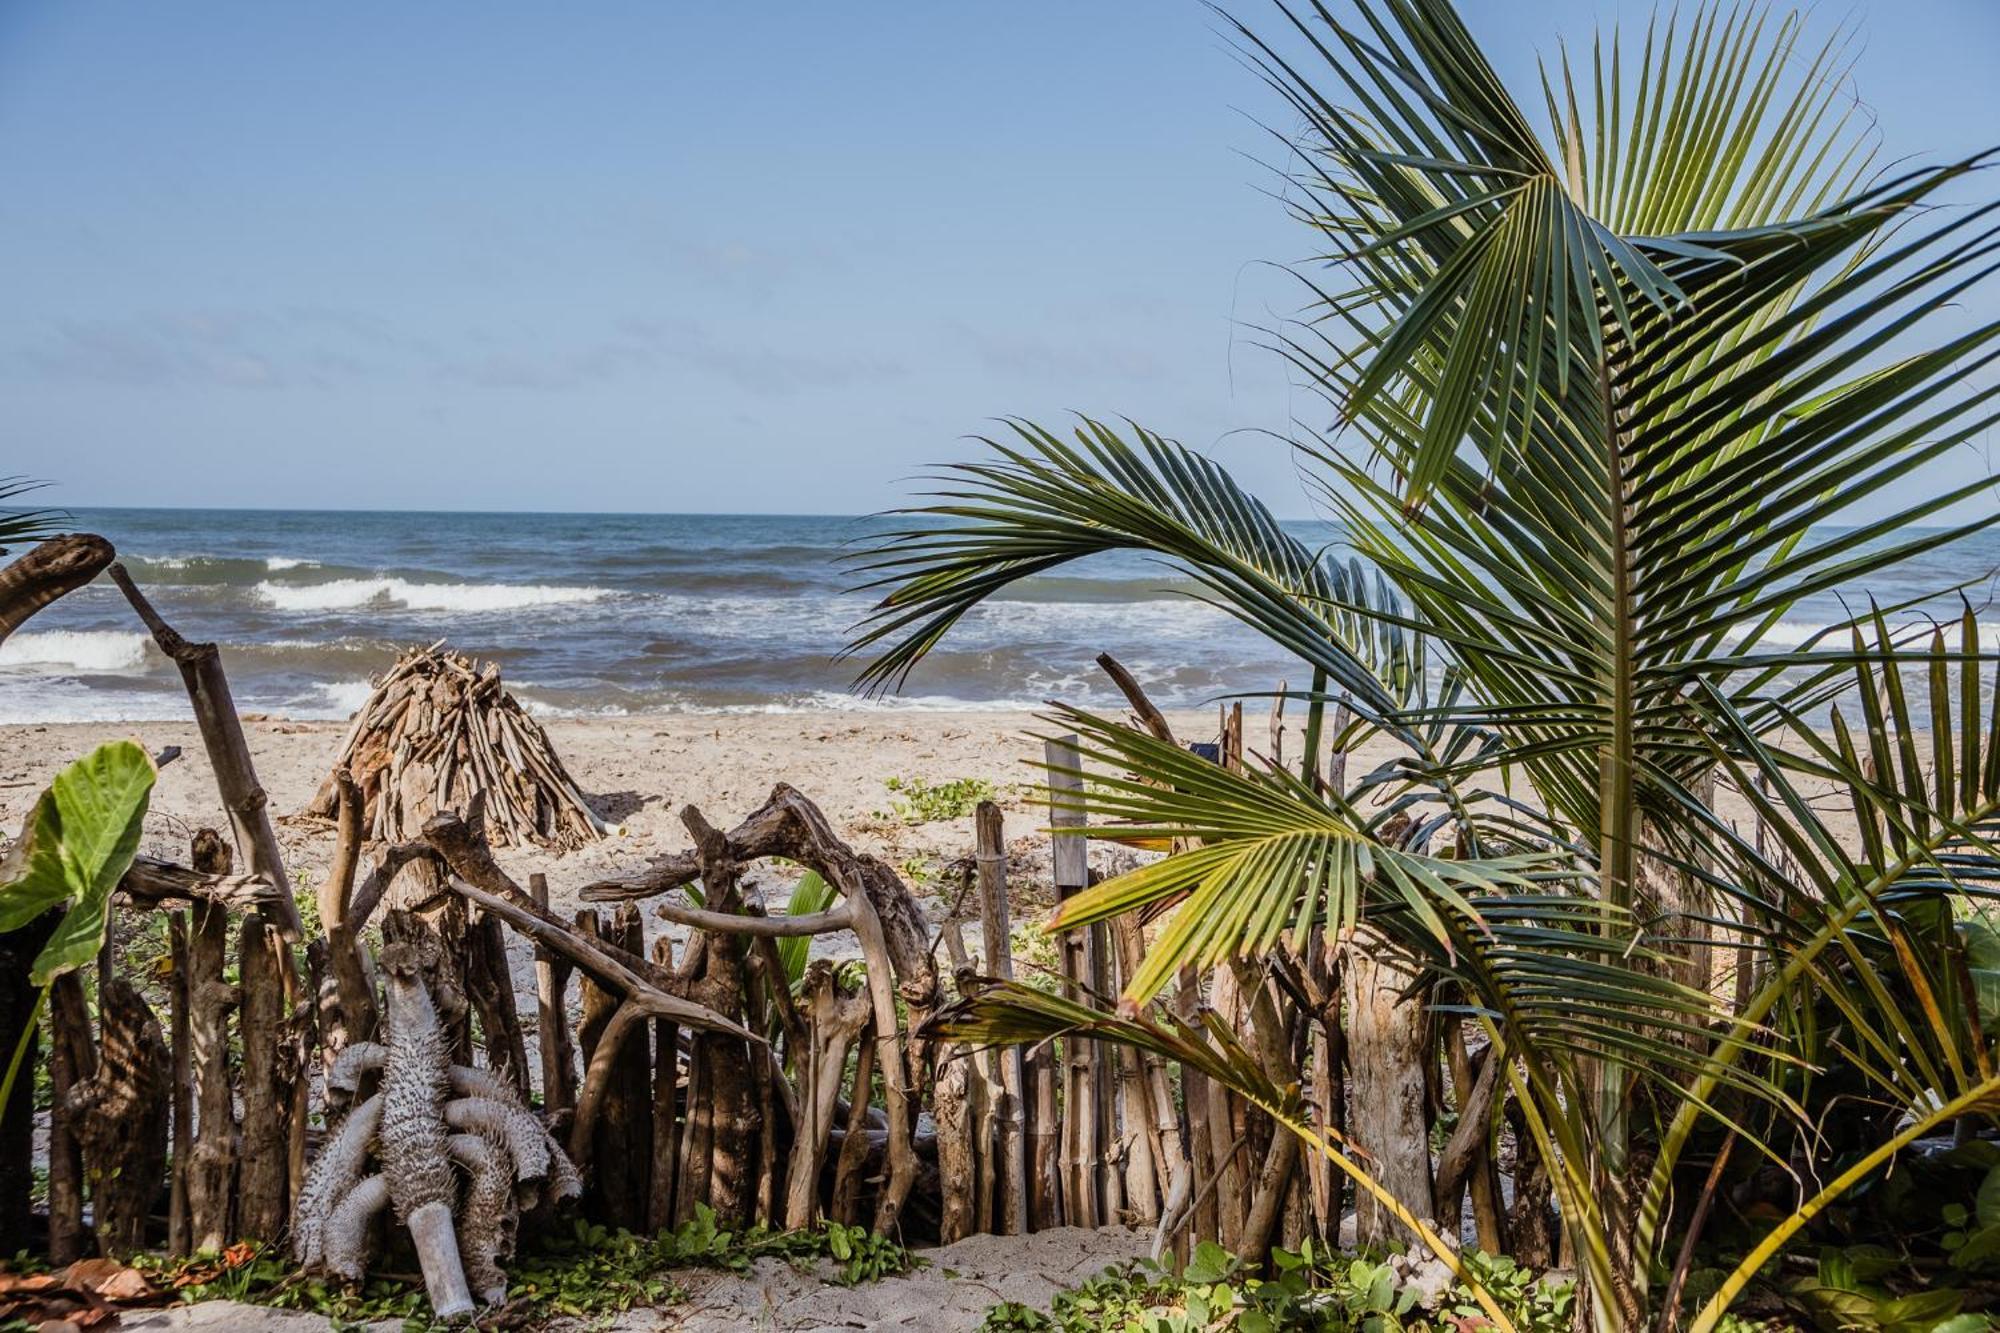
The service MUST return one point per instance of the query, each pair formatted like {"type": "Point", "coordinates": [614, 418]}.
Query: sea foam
{"type": "Point", "coordinates": [90, 651]}
{"type": "Point", "coordinates": [352, 594]}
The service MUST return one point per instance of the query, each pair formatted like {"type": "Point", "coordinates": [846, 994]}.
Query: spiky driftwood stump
{"type": "Point", "coordinates": [428, 1116]}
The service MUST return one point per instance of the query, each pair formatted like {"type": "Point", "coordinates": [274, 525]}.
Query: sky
{"type": "Point", "coordinates": [677, 257]}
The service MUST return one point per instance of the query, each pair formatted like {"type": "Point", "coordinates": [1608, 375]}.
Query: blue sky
{"type": "Point", "coordinates": [644, 256]}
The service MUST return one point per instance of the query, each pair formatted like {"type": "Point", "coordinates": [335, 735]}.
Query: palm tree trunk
{"type": "Point", "coordinates": [1387, 1047]}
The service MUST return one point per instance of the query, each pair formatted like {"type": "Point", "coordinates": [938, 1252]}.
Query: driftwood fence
{"type": "Point", "coordinates": [719, 1071]}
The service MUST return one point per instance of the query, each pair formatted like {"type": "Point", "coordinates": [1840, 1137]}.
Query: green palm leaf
{"type": "Point", "coordinates": [18, 527]}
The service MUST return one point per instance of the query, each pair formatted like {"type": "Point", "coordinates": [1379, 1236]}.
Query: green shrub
{"type": "Point", "coordinates": [918, 801]}
{"type": "Point", "coordinates": [590, 1273]}
{"type": "Point", "coordinates": [1312, 1291]}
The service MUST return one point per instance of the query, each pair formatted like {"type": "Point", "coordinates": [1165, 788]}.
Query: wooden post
{"type": "Point", "coordinates": [610, 1163]}
{"type": "Point", "coordinates": [491, 984]}
{"type": "Point", "coordinates": [552, 1017]}
{"type": "Point", "coordinates": [836, 1019]}
{"type": "Point", "coordinates": [356, 997]}
{"type": "Point", "coordinates": [1070, 862]}
{"type": "Point", "coordinates": [71, 1062]}
{"type": "Point", "coordinates": [266, 1086]}
{"type": "Point", "coordinates": [118, 1115]}
{"type": "Point", "coordinates": [698, 1122]}
{"type": "Point", "coordinates": [1142, 1145]}
{"type": "Point", "coordinates": [997, 944]}
{"type": "Point", "coordinates": [20, 1019]}
{"type": "Point", "coordinates": [212, 1163]}
{"type": "Point", "coordinates": [854, 1147]}
{"type": "Point", "coordinates": [1107, 1158]}
{"type": "Point", "coordinates": [179, 1232]}
{"type": "Point", "coordinates": [666, 1091]}
{"type": "Point", "coordinates": [962, 1194]}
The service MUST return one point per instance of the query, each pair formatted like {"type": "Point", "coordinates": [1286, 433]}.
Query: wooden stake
{"type": "Point", "coordinates": [71, 1062]}
{"type": "Point", "coordinates": [962, 1194]}
{"type": "Point", "coordinates": [996, 940]}
{"type": "Point", "coordinates": [666, 1112]}
{"type": "Point", "coordinates": [854, 1147]}
{"type": "Point", "coordinates": [552, 1016]}
{"type": "Point", "coordinates": [267, 1095]}
{"type": "Point", "coordinates": [836, 1018]}
{"type": "Point", "coordinates": [179, 1227]}
{"type": "Point", "coordinates": [20, 1020]}
{"type": "Point", "coordinates": [491, 985]}
{"type": "Point", "coordinates": [212, 1163]}
{"type": "Point", "coordinates": [357, 998]}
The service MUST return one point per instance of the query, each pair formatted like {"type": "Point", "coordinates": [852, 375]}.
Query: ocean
{"type": "Point", "coordinates": [618, 614]}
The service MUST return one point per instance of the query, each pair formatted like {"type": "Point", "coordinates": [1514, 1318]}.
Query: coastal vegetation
{"type": "Point", "coordinates": [1600, 400]}
{"type": "Point", "coordinates": [1582, 946]}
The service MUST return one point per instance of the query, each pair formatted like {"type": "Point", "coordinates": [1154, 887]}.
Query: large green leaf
{"type": "Point", "coordinates": [77, 844]}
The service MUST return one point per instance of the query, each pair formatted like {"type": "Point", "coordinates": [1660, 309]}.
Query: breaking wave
{"type": "Point", "coordinates": [353, 594]}
{"type": "Point", "coordinates": [87, 651]}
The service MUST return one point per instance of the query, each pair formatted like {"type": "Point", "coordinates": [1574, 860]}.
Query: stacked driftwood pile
{"type": "Point", "coordinates": [438, 729]}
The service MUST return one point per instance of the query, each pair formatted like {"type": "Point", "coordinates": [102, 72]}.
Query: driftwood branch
{"type": "Point", "coordinates": [376, 886]}
{"type": "Point", "coordinates": [478, 878]}
{"type": "Point", "coordinates": [336, 897]}
{"type": "Point", "coordinates": [768, 927]}
{"type": "Point", "coordinates": [1148, 713]}
{"type": "Point", "coordinates": [228, 753]}
{"type": "Point", "coordinates": [790, 826]}
{"type": "Point", "coordinates": [58, 566]}
{"type": "Point", "coordinates": [154, 883]}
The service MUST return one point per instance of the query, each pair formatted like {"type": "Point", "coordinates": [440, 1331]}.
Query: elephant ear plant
{"type": "Point", "coordinates": [78, 843]}
{"type": "Point", "coordinates": [1601, 394]}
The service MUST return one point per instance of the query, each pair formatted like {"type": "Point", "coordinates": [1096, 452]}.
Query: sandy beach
{"type": "Point", "coordinates": [640, 773]}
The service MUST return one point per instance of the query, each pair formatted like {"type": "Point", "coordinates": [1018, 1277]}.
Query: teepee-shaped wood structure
{"type": "Point", "coordinates": [439, 730]}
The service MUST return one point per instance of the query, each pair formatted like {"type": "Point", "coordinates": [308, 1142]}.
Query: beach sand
{"type": "Point", "coordinates": [640, 773]}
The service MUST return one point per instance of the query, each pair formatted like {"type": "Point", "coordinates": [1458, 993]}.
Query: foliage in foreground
{"type": "Point", "coordinates": [1312, 1291]}
{"type": "Point", "coordinates": [590, 1274]}
{"type": "Point", "coordinates": [1608, 402]}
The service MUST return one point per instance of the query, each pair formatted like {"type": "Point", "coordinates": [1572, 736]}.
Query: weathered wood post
{"type": "Point", "coordinates": [552, 1017]}
{"type": "Point", "coordinates": [20, 1019]}
{"type": "Point", "coordinates": [266, 1082]}
{"type": "Point", "coordinates": [997, 944]}
{"type": "Point", "coordinates": [179, 1229]}
{"type": "Point", "coordinates": [212, 1163]}
{"type": "Point", "coordinates": [72, 1060]}
{"type": "Point", "coordinates": [1070, 870]}
{"type": "Point", "coordinates": [666, 1092]}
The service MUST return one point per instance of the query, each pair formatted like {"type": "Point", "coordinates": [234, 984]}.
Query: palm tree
{"type": "Point", "coordinates": [1600, 397]}
{"type": "Point", "coordinates": [19, 526]}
